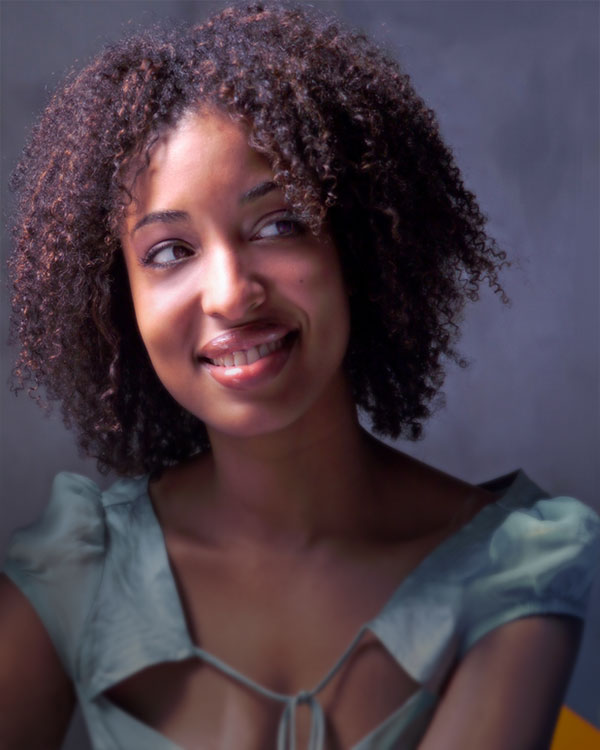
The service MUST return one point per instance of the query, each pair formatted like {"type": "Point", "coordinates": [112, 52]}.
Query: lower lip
{"type": "Point", "coordinates": [258, 373]}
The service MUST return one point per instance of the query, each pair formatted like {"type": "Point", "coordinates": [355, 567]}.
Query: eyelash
{"type": "Point", "coordinates": [298, 229]}
{"type": "Point", "coordinates": [148, 259]}
{"type": "Point", "coordinates": [298, 226]}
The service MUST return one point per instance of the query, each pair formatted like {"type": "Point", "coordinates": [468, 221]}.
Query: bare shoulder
{"type": "Point", "coordinates": [36, 696]}
{"type": "Point", "coordinates": [434, 502]}
{"type": "Point", "coordinates": [519, 689]}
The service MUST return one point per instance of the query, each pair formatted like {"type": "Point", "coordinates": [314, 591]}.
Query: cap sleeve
{"type": "Point", "coordinates": [540, 560]}
{"type": "Point", "coordinates": [57, 561]}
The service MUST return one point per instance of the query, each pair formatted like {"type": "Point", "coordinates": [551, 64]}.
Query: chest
{"type": "Point", "coordinates": [284, 627]}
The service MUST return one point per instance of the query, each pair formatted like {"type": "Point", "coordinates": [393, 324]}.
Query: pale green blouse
{"type": "Point", "coordinates": [95, 568]}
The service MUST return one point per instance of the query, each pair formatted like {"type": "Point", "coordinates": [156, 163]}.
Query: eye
{"type": "Point", "coordinates": [167, 254]}
{"type": "Point", "coordinates": [282, 226]}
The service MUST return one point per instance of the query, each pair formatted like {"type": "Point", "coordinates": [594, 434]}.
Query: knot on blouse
{"type": "Point", "coordinates": [286, 733]}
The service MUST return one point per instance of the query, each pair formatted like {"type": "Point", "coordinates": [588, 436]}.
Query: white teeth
{"type": "Point", "coordinates": [252, 355]}
{"type": "Point", "coordinates": [248, 356]}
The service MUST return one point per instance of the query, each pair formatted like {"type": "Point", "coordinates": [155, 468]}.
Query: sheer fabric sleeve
{"type": "Point", "coordinates": [540, 560]}
{"type": "Point", "coordinates": [57, 561]}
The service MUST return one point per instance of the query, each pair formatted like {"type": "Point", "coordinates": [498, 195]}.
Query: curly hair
{"type": "Point", "coordinates": [351, 145]}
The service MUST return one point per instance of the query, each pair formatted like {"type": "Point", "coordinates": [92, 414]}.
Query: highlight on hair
{"type": "Point", "coordinates": [350, 143]}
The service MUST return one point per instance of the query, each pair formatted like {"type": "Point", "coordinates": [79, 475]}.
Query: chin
{"type": "Point", "coordinates": [248, 423]}
{"type": "Point", "coordinates": [248, 414]}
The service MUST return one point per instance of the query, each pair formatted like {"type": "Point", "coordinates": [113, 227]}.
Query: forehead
{"type": "Point", "coordinates": [206, 153]}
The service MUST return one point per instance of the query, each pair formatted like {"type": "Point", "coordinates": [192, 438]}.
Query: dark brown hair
{"type": "Point", "coordinates": [350, 143]}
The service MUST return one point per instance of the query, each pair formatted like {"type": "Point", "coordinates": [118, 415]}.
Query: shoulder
{"type": "Point", "coordinates": [418, 502]}
{"type": "Point", "coordinates": [74, 509]}
{"type": "Point", "coordinates": [521, 569]}
{"type": "Point", "coordinates": [527, 554]}
{"type": "Point", "coordinates": [73, 521]}
{"type": "Point", "coordinates": [519, 555]}
{"type": "Point", "coordinates": [504, 542]}
{"type": "Point", "coordinates": [57, 561]}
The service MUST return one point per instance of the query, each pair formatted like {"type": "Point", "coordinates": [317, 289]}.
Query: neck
{"type": "Point", "coordinates": [307, 481]}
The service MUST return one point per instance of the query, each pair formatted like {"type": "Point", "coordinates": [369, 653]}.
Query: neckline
{"type": "Point", "coordinates": [151, 613]}
{"type": "Point", "coordinates": [503, 487]}
{"type": "Point", "coordinates": [104, 661]}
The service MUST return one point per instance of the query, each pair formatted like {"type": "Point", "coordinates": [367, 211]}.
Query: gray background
{"type": "Point", "coordinates": [515, 86]}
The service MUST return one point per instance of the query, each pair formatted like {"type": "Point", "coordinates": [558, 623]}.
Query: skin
{"type": "Point", "coordinates": [269, 534]}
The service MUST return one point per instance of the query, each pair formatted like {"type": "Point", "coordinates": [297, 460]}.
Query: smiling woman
{"type": "Point", "coordinates": [259, 238]}
{"type": "Point", "coordinates": [220, 268]}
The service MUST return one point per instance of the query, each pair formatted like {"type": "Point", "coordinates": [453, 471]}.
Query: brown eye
{"type": "Point", "coordinates": [283, 227]}
{"type": "Point", "coordinates": [167, 253]}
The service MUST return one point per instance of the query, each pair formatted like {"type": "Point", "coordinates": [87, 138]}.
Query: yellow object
{"type": "Point", "coordinates": [574, 733]}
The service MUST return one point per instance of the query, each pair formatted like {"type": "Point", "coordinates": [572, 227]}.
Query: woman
{"type": "Point", "coordinates": [230, 237]}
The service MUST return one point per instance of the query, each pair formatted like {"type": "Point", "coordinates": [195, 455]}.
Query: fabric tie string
{"type": "Point", "coordinates": [286, 736]}
{"type": "Point", "coordinates": [286, 733]}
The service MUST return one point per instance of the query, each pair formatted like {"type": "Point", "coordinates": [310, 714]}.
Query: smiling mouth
{"type": "Point", "coordinates": [248, 356]}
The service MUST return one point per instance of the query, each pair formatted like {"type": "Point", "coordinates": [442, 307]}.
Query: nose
{"type": "Point", "coordinates": [229, 288]}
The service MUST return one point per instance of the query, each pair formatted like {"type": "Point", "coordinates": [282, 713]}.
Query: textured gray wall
{"type": "Point", "coordinates": [515, 86]}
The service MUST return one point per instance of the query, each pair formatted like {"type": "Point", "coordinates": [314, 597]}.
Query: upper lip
{"type": "Point", "coordinates": [243, 338]}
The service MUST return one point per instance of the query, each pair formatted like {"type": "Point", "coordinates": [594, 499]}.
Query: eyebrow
{"type": "Point", "coordinates": [258, 191]}
{"type": "Point", "coordinates": [172, 216]}
{"type": "Point", "coordinates": [165, 217]}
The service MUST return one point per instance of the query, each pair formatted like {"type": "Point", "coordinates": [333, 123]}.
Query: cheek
{"type": "Point", "coordinates": [163, 319]}
{"type": "Point", "coordinates": [320, 291]}
{"type": "Point", "coordinates": [316, 272]}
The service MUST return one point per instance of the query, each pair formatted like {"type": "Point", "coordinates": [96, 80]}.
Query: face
{"type": "Point", "coordinates": [242, 309]}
